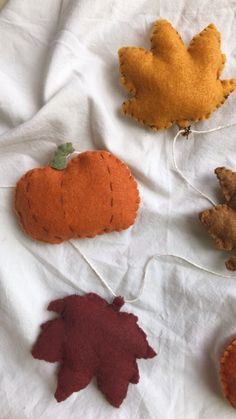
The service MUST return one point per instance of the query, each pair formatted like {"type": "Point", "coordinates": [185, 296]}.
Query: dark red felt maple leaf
{"type": "Point", "coordinates": [92, 338]}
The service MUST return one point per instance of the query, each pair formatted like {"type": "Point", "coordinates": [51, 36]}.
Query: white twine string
{"type": "Point", "coordinates": [196, 265]}
{"type": "Point", "coordinates": [74, 152]}
{"type": "Point", "coordinates": [7, 186]}
{"type": "Point", "coordinates": [143, 281]}
{"type": "Point", "coordinates": [105, 283]}
{"type": "Point", "coordinates": [182, 131]}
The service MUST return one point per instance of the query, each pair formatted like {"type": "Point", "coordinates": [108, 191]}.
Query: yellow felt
{"type": "Point", "coordinates": [173, 83]}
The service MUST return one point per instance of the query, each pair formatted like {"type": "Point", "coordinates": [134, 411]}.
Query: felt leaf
{"type": "Point", "coordinates": [220, 221]}
{"type": "Point", "coordinates": [92, 338]}
{"type": "Point", "coordinates": [228, 372]}
{"type": "Point", "coordinates": [227, 180]}
{"type": "Point", "coordinates": [172, 83]}
{"type": "Point", "coordinates": [95, 194]}
{"type": "Point", "coordinates": [59, 160]}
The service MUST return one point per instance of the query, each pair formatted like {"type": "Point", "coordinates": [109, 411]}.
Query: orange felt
{"type": "Point", "coordinates": [172, 83]}
{"type": "Point", "coordinates": [220, 221]}
{"type": "Point", "coordinates": [95, 194]}
{"type": "Point", "coordinates": [228, 372]}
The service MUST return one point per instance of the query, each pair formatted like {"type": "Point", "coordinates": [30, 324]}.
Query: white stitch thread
{"type": "Point", "coordinates": [175, 161]}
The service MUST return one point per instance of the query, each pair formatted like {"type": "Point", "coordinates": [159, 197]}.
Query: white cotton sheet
{"type": "Point", "coordinates": [59, 81]}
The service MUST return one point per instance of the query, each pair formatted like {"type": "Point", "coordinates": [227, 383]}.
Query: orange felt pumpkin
{"type": "Point", "coordinates": [94, 193]}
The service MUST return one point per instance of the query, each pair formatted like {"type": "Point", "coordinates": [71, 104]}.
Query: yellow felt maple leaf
{"type": "Point", "coordinates": [173, 83]}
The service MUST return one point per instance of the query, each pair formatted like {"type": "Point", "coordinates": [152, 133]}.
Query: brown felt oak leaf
{"type": "Point", "coordinates": [172, 83]}
{"type": "Point", "coordinates": [220, 221]}
{"type": "Point", "coordinates": [92, 338]}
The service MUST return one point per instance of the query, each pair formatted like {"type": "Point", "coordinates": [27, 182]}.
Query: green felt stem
{"type": "Point", "coordinates": [59, 160]}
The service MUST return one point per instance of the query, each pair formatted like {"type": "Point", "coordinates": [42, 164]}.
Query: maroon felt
{"type": "Point", "coordinates": [93, 338]}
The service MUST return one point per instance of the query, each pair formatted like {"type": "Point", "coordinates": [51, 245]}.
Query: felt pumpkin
{"type": "Point", "coordinates": [91, 337]}
{"type": "Point", "coordinates": [94, 193]}
{"type": "Point", "coordinates": [220, 221]}
{"type": "Point", "coordinates": [228, 372]}
{"type": "Point", "coordinates": [172, 83]}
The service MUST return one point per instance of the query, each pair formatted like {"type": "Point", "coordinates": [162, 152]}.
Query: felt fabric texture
{"type": "Point", "coordinates": [172, 83]}
{"type": "Point", "coordinates": [92, 338]}
{"type": "Point", "coordinates": [94, 194]}
{"type": "Point", "coordinates": [228, 372]}
{"type": "Point", "coordinates": [220, 221]}
{"type": "Point", "coordinates": [60, 158]}
{"type": "Point", "coordinates": [59, 82]}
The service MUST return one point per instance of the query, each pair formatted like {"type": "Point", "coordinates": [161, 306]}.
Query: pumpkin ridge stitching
{"type": "Point", "coordinates": [34, 217]}
{"type": "Point", "coordinates": [27, 189]}
{"type": "Point", "coordinates": [62, 199]}
{"type": "Point", "coordinates": [63, 209]}
{"type": "Point", "coordinates": [111, 190]}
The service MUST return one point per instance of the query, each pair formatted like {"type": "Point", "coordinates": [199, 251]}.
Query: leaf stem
{"type": "Point", "coordinates": [59, 161]}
